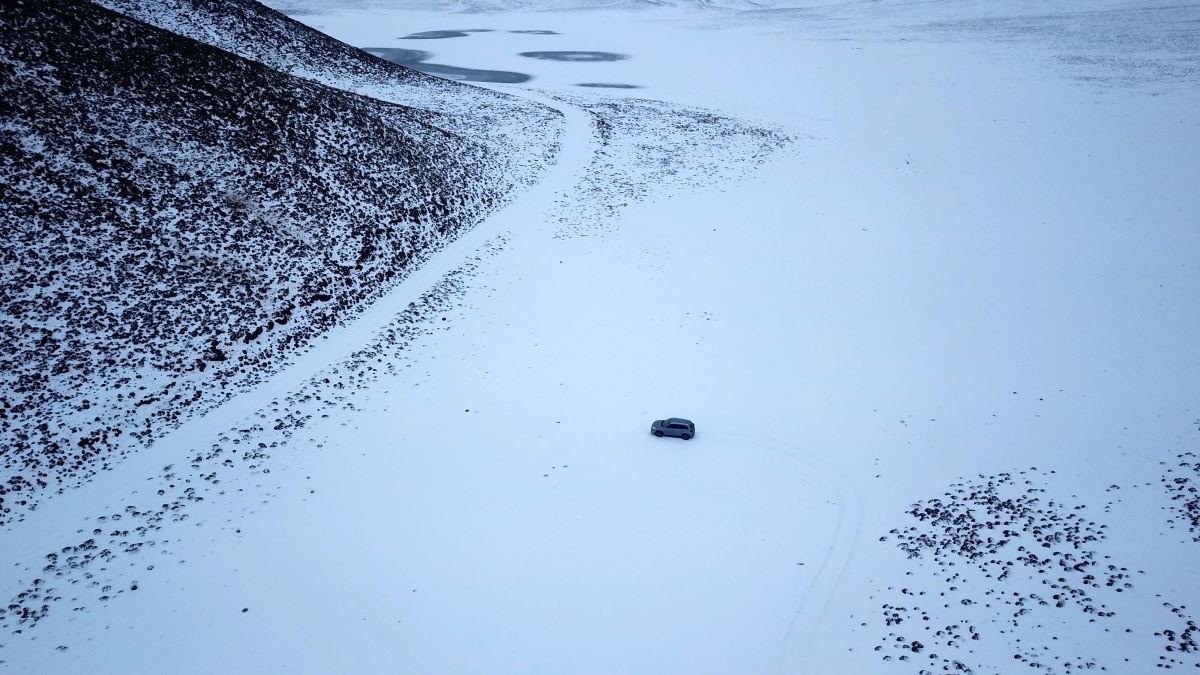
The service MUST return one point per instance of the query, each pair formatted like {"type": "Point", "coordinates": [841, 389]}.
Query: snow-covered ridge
{"type": "Point", "coordinates": [177, 219]}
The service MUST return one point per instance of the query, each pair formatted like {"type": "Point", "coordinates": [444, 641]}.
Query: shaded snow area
{"type": "Point", "coordinates": [321, 364]}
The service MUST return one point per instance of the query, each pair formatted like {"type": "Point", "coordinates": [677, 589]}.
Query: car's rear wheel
{"type": "Point", "coordinates": [686, 437]}
{"type": "Point", "coordinates": [658, 433]}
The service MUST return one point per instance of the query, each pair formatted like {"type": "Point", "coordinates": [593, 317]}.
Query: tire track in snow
{"type": "Point", "coordinates": [813, 601]}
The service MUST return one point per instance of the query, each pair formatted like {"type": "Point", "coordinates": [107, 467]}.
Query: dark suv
{"type": "Point", "coordinates": [673, 426]}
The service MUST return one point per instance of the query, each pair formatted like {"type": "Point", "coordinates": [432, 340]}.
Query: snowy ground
{"type": "Point", "coordinates": [969, 276]}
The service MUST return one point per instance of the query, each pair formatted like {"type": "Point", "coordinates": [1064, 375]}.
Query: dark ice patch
{"type": "Point", "coordinates": [415, 59]}
{"type": "Point", "coordinates": [435, 35]}
{"type": "Point", "coordinates": [608, 85]}
{"type": "Point", "coordinates": [443, 34]}
{"type": "Point", "coordinates": [577, 57]}
{"type": "Point", "coordinates": [404, 57]}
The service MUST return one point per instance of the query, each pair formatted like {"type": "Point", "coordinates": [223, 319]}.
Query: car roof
{"type": "Point", "coordinates": [672, 420]}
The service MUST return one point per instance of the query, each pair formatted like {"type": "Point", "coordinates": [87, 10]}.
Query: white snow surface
{"type": "Point", "coordinates": [943, 262]}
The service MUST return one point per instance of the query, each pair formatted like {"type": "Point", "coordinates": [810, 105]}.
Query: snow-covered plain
{"type": "Point", "coordinates": [968, 274]}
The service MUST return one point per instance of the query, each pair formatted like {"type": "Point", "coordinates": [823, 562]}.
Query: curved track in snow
{"type": "Point", "coordinates": [813, 600]}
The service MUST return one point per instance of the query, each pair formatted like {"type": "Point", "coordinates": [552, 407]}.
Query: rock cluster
{"type": "Point", "coordinates": [1181, 483]}
{"type": "Point", "coordinates": [1004, 553]}
{"type": "Point", "coordinates": [649, 149]}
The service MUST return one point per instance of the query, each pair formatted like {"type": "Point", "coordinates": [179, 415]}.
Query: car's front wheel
{"type": "Point", "coordinates": [686, 437]}
{"type": "Point", "coordinates": [658, 433]}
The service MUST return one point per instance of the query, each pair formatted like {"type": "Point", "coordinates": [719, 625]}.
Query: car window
{"type": "Point", "coordinates": [676, 425]}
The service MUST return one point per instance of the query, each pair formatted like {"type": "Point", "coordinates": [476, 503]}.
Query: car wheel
{"type": "Point", "coordinates": [658, 433]}
{"type": "Point", "coordinates": [686, 437]}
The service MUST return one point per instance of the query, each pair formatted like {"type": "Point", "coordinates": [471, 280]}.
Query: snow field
{"type": "Point", "coordinates": [968, 264]}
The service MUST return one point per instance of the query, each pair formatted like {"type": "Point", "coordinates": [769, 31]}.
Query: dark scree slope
{"type": "Point", "coordinates": [176, 219]}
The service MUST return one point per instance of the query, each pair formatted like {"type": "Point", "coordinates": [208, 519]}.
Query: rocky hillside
{"type": "Point", "coordinates": [177, 219]}
{"type": "Point", "coordinates": [515, 129]}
